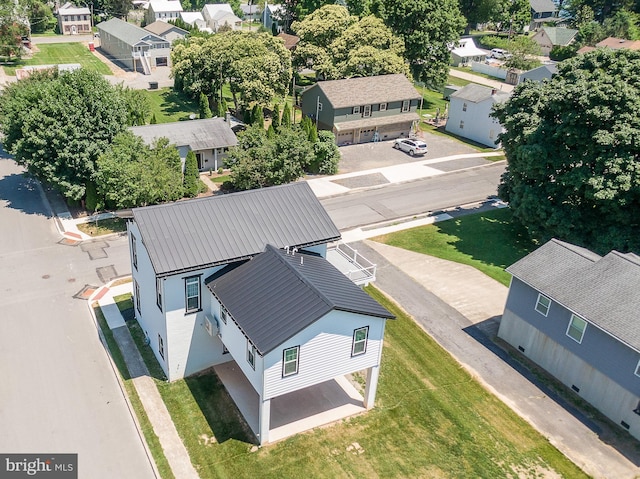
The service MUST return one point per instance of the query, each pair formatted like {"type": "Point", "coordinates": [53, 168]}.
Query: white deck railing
{"type": "Point", "coordinates": [352, 264]}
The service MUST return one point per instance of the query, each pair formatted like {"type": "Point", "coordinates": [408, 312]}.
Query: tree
{"type": "Point", "coordinates": [191, 175]}
{"type": "Point", "coordinates": [427, 28]}
{"type": "Point", "coordinates": [326, 154]}
{"type": "Point", "coordinates": [12, 29]}
{"type": "Point", "coordinates": [40, 16]}
{"type": "Point", "coordinates": [153, 120]}
{"type": "Point", "coordinates": [56, 125]}
{"type": "Point", "coordinates": [203, 107]}
{"type": "Point", "coordinates": [573, 152]}
{"type": "Point", "coordinates": [138, 105]}
{"type": "Point", "coordinates": [275, 117]}
{"type": "Point", "coordinates": [523, 52]}
{"type": "Point", "coordinates": [286, 115]}
{"type": "Point", "coordinates": [623, 24]}
{"type": "Point", "coordinates": [481, 11]}
{"type": "Point", "coordinates": [257, 116]}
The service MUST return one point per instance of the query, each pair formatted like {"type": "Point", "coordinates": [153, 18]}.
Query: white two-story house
{"type": "Point", "coordinates": [244, 277]}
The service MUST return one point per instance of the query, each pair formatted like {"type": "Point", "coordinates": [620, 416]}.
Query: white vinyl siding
{"type": "Point", "coordinates": [542, 305]}
{"type": "Point", "coordinates": [576, 329]}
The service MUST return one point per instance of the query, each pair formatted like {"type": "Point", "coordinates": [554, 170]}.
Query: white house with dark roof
{"type": "Point", "coordinates": [469, 113]}
{"type": "Point", "coordinates": [243, 277]}
{"type": "Point", "coordinates": [575, 313]}
{"type": "Point", "coordinates": [164, 10]}
{"type": "Point", "coordinates": [217, 15]}
{"type": "Point", "coordinates": [359, 110]}
{"type": "Point", "coordinates": [208, 138]}
{"type": "Point", "coordinates": [465, 51]}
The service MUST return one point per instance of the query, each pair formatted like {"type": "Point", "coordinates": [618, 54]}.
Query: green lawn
{"type": "Point", "coordinates": [487, 241]}
{"type": "Point", "coordinates": [431, 419]}
{"type": "Point", "coordinates": [169, 105]}
{"type": "Point", "coordinates": [57, 53]}
{"type": "Point", "coordinates": [103, 227]}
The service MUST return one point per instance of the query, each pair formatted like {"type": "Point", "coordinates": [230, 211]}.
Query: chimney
{"type": "Point", "coordinates": [227, 117]}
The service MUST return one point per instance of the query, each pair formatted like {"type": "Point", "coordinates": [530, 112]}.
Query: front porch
{"type": "Point", "coordinates": [351, 263]}
{"type": "Point", "coordinates": [294, 412]}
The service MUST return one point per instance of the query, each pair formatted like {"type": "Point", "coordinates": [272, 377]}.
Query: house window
{"type": "Point", "coordinates": [637, 373]}
{"type": "Point", "coordinates": [192, 293]}
{"type": "Point", "coordinates": [161, 346]}
{"type": "Point", "coordinates": [359, 345]}
{"type": "Point", "coordinates": [134, 252]}
{"type": "Point", "coordinates": [136, 293]}
{"type": "Point", "coordinates": [383, 107]}
{"type": "Point", "coordinates": [461, 125]}
{"type": "Point", "coordinates": [464, 107]}
{"type": "Point", "coordinates": [159, 293]}
{"type": "Point", "coordinates": [290, 361]}
{"type": "Point", "coordinates": [251, 354]}
{"type": "Point", "coordinates": [542, 305]}
{"type": "Point", "coordinates": [405, 106]}
{"type": "Point", "coordinates": [356, 109]}
{"type": "Point", "coordinates": [223, 314]}
{"type": "Point", "coordinates": [576, 328]}
{"type": "Point", "coordinates": [367, 111]}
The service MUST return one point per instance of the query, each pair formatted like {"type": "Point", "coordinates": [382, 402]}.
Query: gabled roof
{"type": "Point", "coordinates": [276, 295]}
{"type": "Point", "coordinates": [617, 43]}
{"type": "Point", "coordinates": [204, 134]}
{"type": "Point", "coordinates": [467, 48]}
{"type": "Point", "coordinates": [165, 6]}
{"type": "Point", "coordinates": [290, 41]}
{"type": "Point", "coordinates": [602, 290]}
{"type": "Point", "coordinates": [475, 93]}
{"type": "Point", "coordinates": [364, 90]}
{"type": "Point", "coordinates": [213, 9]}
{"type": "Point", "coordinates": [560, 35]}
{"type": "Point", "coordinates": [204, 232]}
{"type": "Point", "coordinates": [70, 9]}
{"type": "Point", "coordinates": [191, 17]}
{"type": "Point", "coordinates": [540, 6]}
{"type": "Point", "coordinates": [127, 32]}
{"type": "Point", "coordinates": [544, 72]}
{"type": "Point", "coordinates": [160, 28]}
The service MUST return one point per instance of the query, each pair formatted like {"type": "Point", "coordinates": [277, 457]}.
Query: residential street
{"type": "Point", "coordinates": [58, 392]}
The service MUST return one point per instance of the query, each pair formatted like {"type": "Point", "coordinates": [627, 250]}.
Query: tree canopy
{"type": "Point", "coordinates": [12, 28]}
{"type": "Point", "coordinates": [573, 150]}
{"type": "Point", "coordinates": [56, 125]}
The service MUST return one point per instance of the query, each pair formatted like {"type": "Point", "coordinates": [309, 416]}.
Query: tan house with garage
{"type": "Point", "coordinates": [359, 110]}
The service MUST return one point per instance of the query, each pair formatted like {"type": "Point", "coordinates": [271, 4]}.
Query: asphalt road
{"type": "Point", "coordinates": [58, 392]}
{"type": "Point", "coordinates": [361, 208]}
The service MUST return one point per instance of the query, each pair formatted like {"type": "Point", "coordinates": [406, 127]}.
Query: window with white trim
{"type": "Point", "coordinates": [405, 106]}
{"type": "Point", "coordinates": [134, 252]}
{"type": "Point", "coordinates": [223, 314]}
{"type": "Point", "coordinates": [576, 329]}
{"type": "Point", "coordinates": [461, 125]}
{"type": "Point", "coordinates": [637, 371]}
{"type": "Point", "coordinates": [359, 345]}
{"type": "Point", "coordinates": [290, 361]}
{"type": "Point", "coordinates": [251, 354]}
{"type": "Point", "coordinates": [383, 107]}
{"type": "Point", "coordinates": [136, 293]}
{"type": "Point", "coordinates": [159, 292]}
{"type": "Point", "coordinates": [464, 107]}
{"type": "Point", "coordinates": [367, 111]}
{"type": "Point", "coordinates": [356, 109]}
{"type": "Point", "coordinates": [192, 293]}
{"type": "Point", "coordinates": [543, 304]}
{"type": "Point", "coordinates": [161, 346]}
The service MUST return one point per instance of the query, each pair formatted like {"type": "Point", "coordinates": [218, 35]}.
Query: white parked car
{"type": "Point", "coordinates": [413, 147]}
{"type": "Point", "coordinates": [499, 54]}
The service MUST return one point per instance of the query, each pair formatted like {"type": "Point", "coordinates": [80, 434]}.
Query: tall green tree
{"type": "Point", "coordinates": [40, 16]}
{"type": "Point", "coordinates": [191, 175]}
{"type": "Point", "coordinates": [12, 29]}
{"type": "Point", "coordinates": [286, 115]}
{"type": "Point", "coordinates": [427, 28]}
{"type": "Point", "coordinates": [326, 154]}
{"type": "Point", "coordinates": [481, 11]}
{"type": "Point", "coordinates": [275, 116]}
{"type": "Point", "coordinates": [138, 105]}
{"type": "Point", "coordinates": [56, 125]}
{"type": "Point", "coordinates": [573, 152]}
{"type": "Point", "coordinates": [203, 107]}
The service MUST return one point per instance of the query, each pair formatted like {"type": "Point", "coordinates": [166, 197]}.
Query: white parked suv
{"type": "Point", "coordinates": [413, 147]}
{"type": "Point", "coordinates": [499, 54]}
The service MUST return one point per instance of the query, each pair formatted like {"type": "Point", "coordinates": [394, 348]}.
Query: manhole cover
{"type": "Point", "coordinates": [85, 292]}
{"type": "Point", "coordinates": [46, 276]}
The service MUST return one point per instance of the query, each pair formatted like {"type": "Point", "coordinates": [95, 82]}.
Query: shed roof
{"type": "Point", "coordinates": [127, 32]}
{"type": "Point", "coordinates": [203, 232]}
{"type": "Point", "coordinates": [367, 90]}
{"type": "Point", "coordinates": [540, 6]}
{"type": "Point", "coordinates": [276, 295]}
{"type": "Point", "coordinates": [478, 93]}
{"type": "Point", "coordinates": [602, 290]}
{"type": "Point", "coordinates": [205, 134]}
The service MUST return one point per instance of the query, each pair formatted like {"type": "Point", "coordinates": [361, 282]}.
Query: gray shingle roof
{"type": "Point", "coordinates": [276, 295]}
{"type": "Point", "coordinates": [127, 32]}
{"type": "Point", "coordinates": [193, 234]}
{"type": "Point", "coordinates": [478, 93]}
{"type": "Point", "coordinates": [160, 28]}
{"type": "Point", "coordinates": [540, 6]}
{"type": "Point", "coordinates": [197, 134]}
{"type": "Point", "coordinates": [560, 35]}
{"type": "Point", "coordinates": [545, 72]}
{"type": "Point", "coordinates": [365, 90]}
{"type": "Point", "coordinates": [603, 290]}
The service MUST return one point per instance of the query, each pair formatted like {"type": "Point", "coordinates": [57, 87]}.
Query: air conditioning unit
{"type": "Point", "coordinates": [211, 325]}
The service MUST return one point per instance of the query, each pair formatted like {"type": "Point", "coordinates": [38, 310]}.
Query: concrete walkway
{"type": "Point", "coordinates": [481, 80]}
{"type": "Point", "coordinates": [460, 308]}
{"type": "Point", "coordinates": [157, 412]}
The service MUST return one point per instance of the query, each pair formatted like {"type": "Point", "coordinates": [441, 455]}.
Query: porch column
{"type": "Point", "coordinates": [215, 159]}
{"type": "Point", "coordinates": [264, 420]}
{"type": "Point", "coordinates": [371, 387]}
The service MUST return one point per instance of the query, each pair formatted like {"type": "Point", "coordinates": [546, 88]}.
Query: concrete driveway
{"type": "Point", "coordinates": [368, 156]}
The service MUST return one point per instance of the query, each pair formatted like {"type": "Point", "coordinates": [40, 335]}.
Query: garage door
{"type": "Point", "coordinates": [344, 137]}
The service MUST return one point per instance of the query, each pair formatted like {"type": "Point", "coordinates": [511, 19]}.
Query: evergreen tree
{"type": "Point", "coordinates": [275, 116]}
{"type": "Point", "coordinates": [286, 116]}
{"type": "Point", "coordinates": [203, 107]}
{"type": "Point", "coordinates": [191, 175]}
{"type": "Point", "coordinates": [257, 116]}
{"type": "Point", "coordinates": [153, 119]}
{"type": "Point", "coordinates": [271, 132]}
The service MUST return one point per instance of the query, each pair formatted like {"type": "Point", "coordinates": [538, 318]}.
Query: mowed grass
{"type": "Point", "coordinates": [168, 105]}
{"type": "Point", "coordinates": [488, 241]}
{"type": "Point", "coordinates": [431, 419]}
{"type": "Point", "coordinates": [61, 53]}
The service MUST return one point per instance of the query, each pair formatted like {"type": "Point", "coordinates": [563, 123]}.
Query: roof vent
{"type": "Point", "coordinates": [301, 260]}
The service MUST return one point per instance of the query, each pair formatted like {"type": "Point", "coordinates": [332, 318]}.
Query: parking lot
{"type": "Point", "coordinates": [368, 156]}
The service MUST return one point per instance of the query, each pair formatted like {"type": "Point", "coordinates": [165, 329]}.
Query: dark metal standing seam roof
{"type": "Point", "coordinates": [203, 232]}
{"type": "Point", "coordinates": [276, 295]}
{"type": "Point", "coordinates": [602, 290]}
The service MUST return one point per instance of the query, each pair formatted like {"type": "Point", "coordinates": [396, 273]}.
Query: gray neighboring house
{"type": "Point", "coordinates": [543, 11]}
{"type": "Point", "coordinates": [575, 313]}
{"type": "Point", "coordinates": [545, 72]}
{"type": "Point", "coordinates": [209, 139]}
{"type": "Point", "coordinates": [166, 30]}
{"type": "Point", "coordinates": [359, 110]}
{"type": "Point", "coordinates": [134, 47]}
{"type": "Point", "coordinates": [469, 113]}
{"type": "Point", "coordinates": [549, 37]}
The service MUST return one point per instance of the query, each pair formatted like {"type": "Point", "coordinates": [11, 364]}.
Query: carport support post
{"type": "Point", "coordinates": [371, 387]}
{"type": "Point", "coordinates": [264, 420]}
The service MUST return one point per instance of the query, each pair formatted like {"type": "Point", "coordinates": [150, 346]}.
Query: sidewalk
{"type": "Point", "coordinates": [154, 406]}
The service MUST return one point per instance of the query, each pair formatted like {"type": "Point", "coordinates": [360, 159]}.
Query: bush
{"type": "Point", "coordinates": [91, 202]}
{"type": "Point", "coordinates": [559, 53]}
